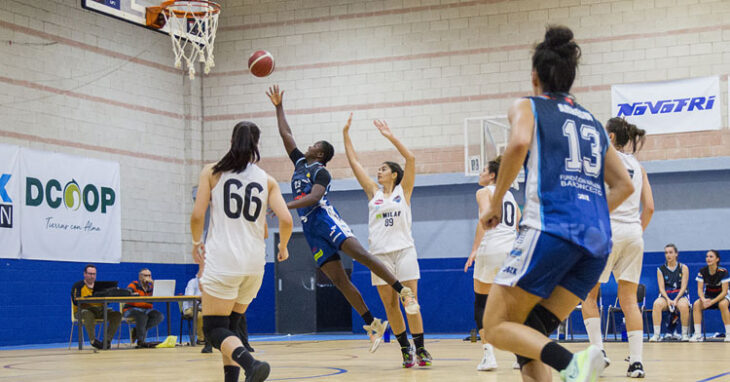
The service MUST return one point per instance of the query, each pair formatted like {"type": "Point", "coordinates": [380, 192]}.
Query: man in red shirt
{"type": "Point", "coordinates": [144, 316]}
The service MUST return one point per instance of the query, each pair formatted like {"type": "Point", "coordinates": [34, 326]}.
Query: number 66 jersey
{"type": "Point", "coordinates": [238, 203]}
{"type": "Point", "coordinates": [564, 191]}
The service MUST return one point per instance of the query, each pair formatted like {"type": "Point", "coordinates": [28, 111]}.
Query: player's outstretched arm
{"type": "Point", "coordinates": [647, 201]}
{"type": "Point", "coordinates": [368, 185]}
{"type": "Point", "coordinates": [197, 219]}
{"type": "Point", "coordinates": [277, 98]}
{"type": "Point", "coordinates": [409, 172]}
{"type": "Point", "coordinates": [483, 198]}
{"type": "Point", "coordinates": [278, 205]}
{"type": "Point", "coordinates": [310, 199]}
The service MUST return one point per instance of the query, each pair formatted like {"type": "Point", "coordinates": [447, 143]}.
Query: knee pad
{"type": "Point", "coordinates": [480, 302]}
{"type": "Point", "coordinates": [542, 320]}
{"type": "Point", "coordinates": [216, 329]}
{"type": "Point", "coordinates": [233, 320]}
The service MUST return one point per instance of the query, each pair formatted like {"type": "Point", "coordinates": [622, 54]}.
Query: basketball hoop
{"type": "Point", "coordinates": [192, 25]}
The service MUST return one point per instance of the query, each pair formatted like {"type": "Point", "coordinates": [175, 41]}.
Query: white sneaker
{"type": "Point", "coordinates": [488, 361]}
{"type": "Point", "coordinates": [685, 338]}
{"type": "Point", "coordinates": [727, 337]}
{"type": "Point", "coordinates": [696, 338]}
{"type": "Point", "coordinates": [516, 365]}
{"type": "Point", "coordinates": [654, 338]}
{"type": "Point", "coordinates": [408, 299]}
{"type": "Point", "coordinates": [585, 366]}
{"type": "Point", "coordinates": [375, 331]}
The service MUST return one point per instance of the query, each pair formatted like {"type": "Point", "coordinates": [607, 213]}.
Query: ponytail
{"type": "Point", "coordinates": [625, 133]}
{"type": "Point", "coordinates": [244, 148]}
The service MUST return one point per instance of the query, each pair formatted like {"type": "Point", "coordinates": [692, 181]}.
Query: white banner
{"type": "Point", "coordinates": [670, 107]}
{"type": "Point", "coordinates": [71, 208]}
{"type": "Point", "coordinates": [10, 202]}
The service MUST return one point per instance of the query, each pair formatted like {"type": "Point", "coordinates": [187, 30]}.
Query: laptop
{"type": "Point", "coordinates": [100, 286]}
{"type": "Point", "coordinates": [163, 288]}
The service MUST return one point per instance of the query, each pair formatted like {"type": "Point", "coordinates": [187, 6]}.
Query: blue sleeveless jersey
{"type": "Point", "coordinates": [302, 182]}
{"type": "Point", "coordinates": [564, 191]}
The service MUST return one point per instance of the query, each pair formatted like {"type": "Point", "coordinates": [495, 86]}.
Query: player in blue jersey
{"type": "Point", "coordinates": [324, 229]}
{"type": "Point", "coordinates": [565, 233]}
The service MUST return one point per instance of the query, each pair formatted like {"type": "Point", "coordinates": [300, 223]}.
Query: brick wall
{"type": "Point", "coordinates": [426, 65]}
{"type": "Point", "coordinates": [77, 82]}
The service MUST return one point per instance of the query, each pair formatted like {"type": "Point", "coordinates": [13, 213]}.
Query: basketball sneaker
{"type": "Point", "coordinates": [697, 337]}
{"type": "Point", "coordinates": [423, 357]}
{"type": "Point", "coordinates": [606, 360]}
{"type": "Point", "coordinates": [375, 331]}
{"type": "Point", "coordinates": [685, 338]}
{"type": "Point", "coordinates": [636, 370]}
{"type": "Point", "coordinates": [408, 299]}
{"type": "Point", "coordinates": [259, 371]}
{"type": "Point", "coordinates": [489, 362]}
{"type": "Point", "coordinates": [586, 366]}
{"type": "Point", "coordinates": [727, 338]}
{"type": "Point", "coordinates": [409, 357]}
{"type": "Point", "coordinates": [516, 365]}
{"type": "Point", "coordinates": [654, 338]}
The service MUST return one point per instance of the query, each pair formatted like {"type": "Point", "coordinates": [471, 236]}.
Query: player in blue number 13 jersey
{"type": "Point", "coordinates": [565, 232]}
{"type": "Point", "coordinates": [324, 229]}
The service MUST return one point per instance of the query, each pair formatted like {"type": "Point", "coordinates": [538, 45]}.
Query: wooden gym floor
{"type": "Point", "coordinates": [342, 360]}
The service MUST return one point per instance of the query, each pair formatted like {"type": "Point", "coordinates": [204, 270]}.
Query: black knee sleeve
{"type": "Point", "coordinates": [216, 329]}
{"type": "Point", "coordinates": [480, 302]}
{"type": "Point", "coordinates": [542, 320]}
{"type": "Point", "coordinates": [233, 320]}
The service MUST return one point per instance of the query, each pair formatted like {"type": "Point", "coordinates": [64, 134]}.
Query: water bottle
{"type": "Point", "coordinates": [624, 335]}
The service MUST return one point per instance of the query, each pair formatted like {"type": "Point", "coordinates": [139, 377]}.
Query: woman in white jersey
{"type": "Point", "coordinates": [390, 239]}
{"type": "Point", "coordinates": [239, 193]}
{"type": "Point", "coordinates": [628, 222]}
{"type": "Point", "coordinates": [489, 251]}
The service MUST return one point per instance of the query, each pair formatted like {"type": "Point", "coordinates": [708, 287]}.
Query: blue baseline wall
{"type": "Point", "coordinates": [35, 302]}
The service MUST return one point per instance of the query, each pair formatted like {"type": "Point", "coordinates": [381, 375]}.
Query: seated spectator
{"type": "Point", "coordinates": [673, 278]}
{"type": "Point", "coordinates": [144, 316]}
{"type": "Point", "coordinates": [91, 312]}
{"type": "Point", "coordinates": [193, 289]}
{"type": "Point", "coordinates": [712, 284]}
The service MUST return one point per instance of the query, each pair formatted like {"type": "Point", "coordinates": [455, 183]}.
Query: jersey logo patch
{"type": "Point", "coordinates": [379, 202]}
{"type": "Point", "coordinates": [318, 254]}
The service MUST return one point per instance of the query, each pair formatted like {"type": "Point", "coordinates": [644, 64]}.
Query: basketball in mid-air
{"type": "Point", "coordinates": [261, 63]}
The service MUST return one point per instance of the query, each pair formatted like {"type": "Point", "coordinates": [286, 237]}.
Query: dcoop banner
{"type": "Point", "coordinates": [9, 201]}
{"type": "Point", "coordinates": [670, 107]}
{"type": "Point", "coordinates": [70, 208]}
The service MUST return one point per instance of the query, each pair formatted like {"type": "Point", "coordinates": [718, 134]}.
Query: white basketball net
{"type": "Point", "coordinates": [192, 26]}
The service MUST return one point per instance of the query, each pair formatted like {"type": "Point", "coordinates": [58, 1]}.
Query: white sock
{"type": "Point", "coordinates": [657, 330]}
{"type": "Point", "coordinates": [593, 327]}
{"type": "Point", "coordinates": [636, 343]}
{"type": "Point", "coordinates": [727, 330]}
{"type": "Point", "coordinates": [487, 347]}
{"type": "Point", "coordinates": [698, 330]}
{"type": "Point", "coordinates": [685, 330]}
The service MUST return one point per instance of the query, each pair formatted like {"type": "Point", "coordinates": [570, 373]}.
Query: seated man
{"type": "Point", "coordinates": [91, 312]}
{"type": "Point", "coordinates": [144, 316]}
{"type": "Point", "coordinates": [712, 284]}
{"type": "Point", "coordinates": [673, 278]}
{"type": "Point", "coordinates": [193, 289]}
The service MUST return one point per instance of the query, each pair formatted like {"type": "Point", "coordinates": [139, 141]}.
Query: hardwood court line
{"type": "Point", "coordinates": [715, 377]}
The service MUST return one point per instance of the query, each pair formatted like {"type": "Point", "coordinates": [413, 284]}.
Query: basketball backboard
{"type": "Point", "coordinates": [132, 11]}
{"type": "Point", "coordinates": [485, 138]}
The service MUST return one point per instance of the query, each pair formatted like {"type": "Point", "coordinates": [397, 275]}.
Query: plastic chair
{"type": "Point", "coordinates": [613, 309]}
{"type": "Point", "coordinates": [130, 321]}
{"type": "Point", "coordinates": [579, 308]}
{"type": "Point", "coordinates": [74, 323]}
{"type": "Point", "coordinates": [189, 321]}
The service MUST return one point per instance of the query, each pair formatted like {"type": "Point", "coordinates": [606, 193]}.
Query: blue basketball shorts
{"type": "Point", "coordinates": [325, 232]}
{"type": "Point", "coordinates": [540, 261]}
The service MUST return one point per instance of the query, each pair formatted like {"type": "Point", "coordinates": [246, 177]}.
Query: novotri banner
{"type": "Point", "coordinates": [670, 107]}
{"type": "Point", "coordinates": [70, 208]}
{"type": "Point", "coordinates": [9, 201]}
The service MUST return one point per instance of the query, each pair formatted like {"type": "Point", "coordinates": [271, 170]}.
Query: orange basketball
{"type": "Point", "coordinates": [261, 63]}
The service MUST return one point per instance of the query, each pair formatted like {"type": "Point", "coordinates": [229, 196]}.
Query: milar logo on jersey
{"type": "Point", "coordinates": [397, 199]}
